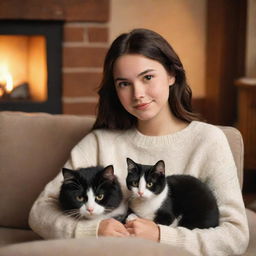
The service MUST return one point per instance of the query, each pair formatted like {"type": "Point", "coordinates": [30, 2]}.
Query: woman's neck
{"type": "Point", "coordinates": [159, 126]}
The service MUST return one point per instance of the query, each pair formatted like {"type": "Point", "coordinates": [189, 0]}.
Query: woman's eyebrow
{"type": "Point", "coordinates": [120, 79]}
{"type": "Point", "coordinates": [145, 72]}
{"type": "Point", "coordinates": [140, 74]}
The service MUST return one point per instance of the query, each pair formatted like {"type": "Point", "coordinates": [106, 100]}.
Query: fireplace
{"type": "Point", "coordinates": [74, 64]}
{"type": "Point", "coordinates": [30, 65]}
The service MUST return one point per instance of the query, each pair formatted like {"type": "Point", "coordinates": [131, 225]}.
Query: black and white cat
{"type": "Point", "coordinates": [92, 193]}
{"type": "Point", "coordinates": [181, 200]}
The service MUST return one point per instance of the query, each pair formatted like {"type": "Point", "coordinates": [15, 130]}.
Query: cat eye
{"type": "Point", "coordinates": [99, 197]}
{"type": "Point", "coordinates": [149, 184]}
{"type": "Point", "coordinates": [135, 184]}
{"type": "Point", "coordinates": [80, 198]}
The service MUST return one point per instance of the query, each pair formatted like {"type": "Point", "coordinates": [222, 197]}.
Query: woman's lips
{"type": "Point", "coordinates": [142, 106]}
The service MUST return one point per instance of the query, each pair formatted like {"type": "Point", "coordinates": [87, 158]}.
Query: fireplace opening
{"type": "Point", "coordinates": [23, 68]}
{"type": "Point", "coordinates": [30, 66]}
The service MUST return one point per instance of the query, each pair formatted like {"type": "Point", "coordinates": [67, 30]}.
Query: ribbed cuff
{"type": "Point", "coordinates": [167, 235]}
{"type": "Point", "coordinates": [85, 229]}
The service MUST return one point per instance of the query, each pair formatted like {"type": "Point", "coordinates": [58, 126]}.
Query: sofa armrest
{"type": "Point", "coordinates": [33, 149]}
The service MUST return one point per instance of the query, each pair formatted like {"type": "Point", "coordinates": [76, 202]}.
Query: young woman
{"type": "Point", "coordinates": [145, 114]}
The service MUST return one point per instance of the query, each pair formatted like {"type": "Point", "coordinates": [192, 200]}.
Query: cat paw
{"type": "Point", "coordinates": [131, 217]}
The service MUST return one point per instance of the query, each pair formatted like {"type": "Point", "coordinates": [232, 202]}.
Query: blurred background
{"type": "Point", "coordinates": [51, 56]}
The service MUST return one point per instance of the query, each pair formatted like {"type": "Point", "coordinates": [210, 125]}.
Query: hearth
{"type": "Point", "coordinates": [30, 65]}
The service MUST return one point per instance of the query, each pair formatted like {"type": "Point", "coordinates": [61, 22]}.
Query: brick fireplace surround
{"type": "Point", "coordinates": [85, 42]}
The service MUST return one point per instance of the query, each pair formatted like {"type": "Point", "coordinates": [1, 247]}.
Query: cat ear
{"type": "Point", "coordinates": [160, 167]}
{"type": "Point", "coordinates": [67, 174]}
{"type": "Point", "coordinates": [108, 173]}
{"type": "Point", "coordinates": [130, 164]}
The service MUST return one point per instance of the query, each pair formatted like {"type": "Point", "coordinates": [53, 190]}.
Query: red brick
{"type": "Point", "coordinates": [83, 108]}
{"type": "Point", "coordinates": [97, 34]}
{"type": "Point", "coordinates": [73, 34]}
{"type": "Point", "coordinates": [69, 10]}
{"type": "Point", "coordinates": [83, 56]}
{"type": "Point", "coordinates": [81, 84]}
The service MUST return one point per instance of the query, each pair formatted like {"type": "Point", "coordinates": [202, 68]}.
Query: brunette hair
{"type": "Point", "coordinates": [111, 113]}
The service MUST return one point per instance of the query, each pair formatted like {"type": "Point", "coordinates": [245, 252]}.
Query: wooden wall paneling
{"type": "Point", "coordinates": [225, 58]}
{"type": "Point", "coordinates": [247, 119]}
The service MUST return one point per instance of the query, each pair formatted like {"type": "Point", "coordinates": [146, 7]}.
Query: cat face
{"type": "Point", "coordinates": [145, 181]}
{"type": "Point", "coordinates": [90, 192]}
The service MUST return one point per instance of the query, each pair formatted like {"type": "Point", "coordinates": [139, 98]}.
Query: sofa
{"type": "Point", "coordinates": [34, 146]}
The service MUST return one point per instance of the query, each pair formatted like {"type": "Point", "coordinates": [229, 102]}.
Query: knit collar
{"type": "Point", "coordinates": [145, 141]}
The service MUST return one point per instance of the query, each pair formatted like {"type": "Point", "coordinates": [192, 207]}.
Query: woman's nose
{"type": "Point", "coordinates": [138, 91]}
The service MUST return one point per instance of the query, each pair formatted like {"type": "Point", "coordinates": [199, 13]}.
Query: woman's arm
{"type": "Point", "coordinates": [47, 218]}
{"type": "Point", "coordinates": [231, 236]}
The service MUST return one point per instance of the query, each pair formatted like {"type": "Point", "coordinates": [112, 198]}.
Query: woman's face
{"type": "Point", "coordinates": [142, 85]}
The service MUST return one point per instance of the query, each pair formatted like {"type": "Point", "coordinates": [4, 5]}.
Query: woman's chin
{"type": "Point", "coordinates": [144, 117]}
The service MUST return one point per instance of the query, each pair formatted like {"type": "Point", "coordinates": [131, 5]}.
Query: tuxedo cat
{"type": "Point", "coordinates": [92, 193]}
{"type": "Point", "coordinates": [181, 200]}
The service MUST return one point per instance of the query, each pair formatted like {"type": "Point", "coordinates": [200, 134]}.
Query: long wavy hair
{"type": "Point", "coordinates": [111, 114]}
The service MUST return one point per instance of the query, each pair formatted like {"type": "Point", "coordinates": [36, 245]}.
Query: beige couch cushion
{"type": "Point", "coordinates": [12, 235]}
{"type": "Point", "coordinates": [92, 247]}
{"type": "Point", "coordinates": [33, 149]}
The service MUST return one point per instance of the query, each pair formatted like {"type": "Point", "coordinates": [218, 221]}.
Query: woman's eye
{"type": "Point", "coordinates": [135, 184]}
{"type": "Point", "coordinates": [148, 77]}
{"type": "Point", "coordinates": [80, 198]}
{"type": "Point", "coordinates": [100, 197]}
{"type": "Point", "coordinates": [149, 184]}
{"type": "Point", "coordinates": [123, 84]}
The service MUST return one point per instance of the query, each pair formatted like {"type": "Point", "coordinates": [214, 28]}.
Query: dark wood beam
{"type": "Point", "coordinates": [226, 23]}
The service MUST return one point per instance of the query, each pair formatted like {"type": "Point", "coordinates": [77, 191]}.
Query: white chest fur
{"type": "Point", "coordinates": [146, 208]}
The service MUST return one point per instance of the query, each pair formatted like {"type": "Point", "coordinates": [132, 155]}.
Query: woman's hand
{"type": "Point", "coordinates": [143, 228]}
{"type": "Point", "coordinates": [112, 227]}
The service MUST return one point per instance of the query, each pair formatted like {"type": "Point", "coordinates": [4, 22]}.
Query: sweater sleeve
{"type": "Point", "coordinates": [231, 236]}
{"type": "Point", "coordinates": [46, 217]}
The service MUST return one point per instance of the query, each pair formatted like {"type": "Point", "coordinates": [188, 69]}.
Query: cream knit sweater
{"type": "Point", "coordinates": [200, 150]}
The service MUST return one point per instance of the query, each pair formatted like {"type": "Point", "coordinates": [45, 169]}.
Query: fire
{"type": "Point", "coordinates": [6, 81]}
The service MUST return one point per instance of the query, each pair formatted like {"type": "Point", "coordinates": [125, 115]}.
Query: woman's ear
{"type": "Point", "coordinates": [171, 80]}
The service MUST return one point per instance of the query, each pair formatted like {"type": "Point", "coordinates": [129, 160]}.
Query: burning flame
{"type": "Point", "coordinates": [5, 80]}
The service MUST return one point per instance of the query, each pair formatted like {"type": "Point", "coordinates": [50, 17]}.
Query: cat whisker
{"type": "Point", "coordinates": [107, 210]}
{"type": "Point", "coordinates": [73, 213]}
{"type": "Point", "coordinates": [80, 217]}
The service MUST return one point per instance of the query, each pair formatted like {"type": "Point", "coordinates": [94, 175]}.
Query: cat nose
{"type": "Point", "coordinates": [140, 193]}
{"type": "Point", "coordinates": [90, 210]}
